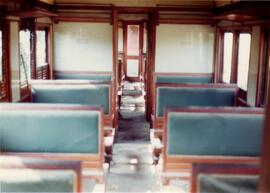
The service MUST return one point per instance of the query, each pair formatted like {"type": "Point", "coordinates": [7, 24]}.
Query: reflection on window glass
{"type": "Point", "coordinates": [227, 57]}
{"type": "Point", "coordinates": [243, 60]}
{"type": "Point", "coordinates": [41, 48]}
{"type": "Point", "coordinates": [25, 50]}
{"type": "Point", "coordinates": [1, 57]}
{"type": "Point", "coordinates": [133, 32]}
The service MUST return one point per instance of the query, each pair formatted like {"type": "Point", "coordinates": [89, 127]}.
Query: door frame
{"type": "Point", "coordinates": [125, 56]}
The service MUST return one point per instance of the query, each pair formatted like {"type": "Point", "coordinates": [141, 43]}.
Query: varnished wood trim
{"type": "Point", "coordinates": [260, 67]}
{"type": "Point", "coordinates": [176, 85]}
{"type": "Point", "coordinates": [83, 19]}
{"type": "Point", "coordinates": [265, 159]}
{"type": "Point", "coordinates": [215, 110]}
{"type": "Point", "coordinates": [172, 162]}
{"type": "Point", "coordinates": [218, 57]}
{"type": "Point", "coordinates": [186, 21]}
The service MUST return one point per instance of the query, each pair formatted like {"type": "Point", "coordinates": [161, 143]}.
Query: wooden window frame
{"type": "Point", "coordinates": [235, 53]}
{"type": "Point", "coordinates": [6, 81]}
{"type": "Point", "coordinates": [263, 68]}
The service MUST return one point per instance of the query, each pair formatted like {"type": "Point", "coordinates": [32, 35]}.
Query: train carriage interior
{"type": "Point", "coordinates": [145, 96]}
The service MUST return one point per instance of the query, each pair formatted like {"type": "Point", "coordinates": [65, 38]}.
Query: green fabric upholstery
{"type": "Point", "coordinates": [183, 79]}
{"type": "Point", "coordinates": [95, 77]}
{"type": "Point", "coordinates": [184, 97]}
{"type": "Point", "coordinates": [28, 180]}
{"type": "Point", "coordinates": [49, 131]}
{"type": "Point", "coordinates": [217, 183]}
{"type": "Point", "coordinates": [214, 134]}
{"type": "Point", "coordinates": [95, 95]}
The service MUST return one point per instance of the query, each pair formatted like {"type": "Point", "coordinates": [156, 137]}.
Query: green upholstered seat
{"type": "Point", "coordinates": [221, 134]}
{"type": "Point", "coordinates": [184, 97]}
{"type": "Point", "coordinates": [33, 180]}
{"type": "Point", "coordinates": [95, 77]}
{"type": "Point", "coordinates": [95, 95]}
{"type": "Point", "coordinates": [183, 79]}
{"type": "Point", "coordinates": [224, 183]}
{"type": "Point", "coordinates": [49, 131]}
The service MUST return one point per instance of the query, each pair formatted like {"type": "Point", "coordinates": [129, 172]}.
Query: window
{"type": "Point", "coordinates": [227, 57]}
{"type": "Point", "coordinates": [236, 53]}
{"type": "Point", "coordinates": [41, 52]}
{"type": "Point", "coordinates": [25, 56]}
{"type": "Point", "coordinates": [243, 60]}
{"type": "Point", "coordinates": [42, 58]}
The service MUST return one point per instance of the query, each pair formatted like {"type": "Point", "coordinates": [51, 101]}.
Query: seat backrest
{"type": "Point", "coordinates": [46, 129]}
{"type": "Point", "coordinates": [94, 95]}
{"type": "Point", "coordinates": [186, 96]}
{"type": "Point", "coordinates": [214, 133]}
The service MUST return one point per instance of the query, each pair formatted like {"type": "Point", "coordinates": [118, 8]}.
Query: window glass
{"type": "Point", "coordinates": [227, 57]}
{"type": "Point", "coordinates": [41, 54]}
{"type": "Point", "coordinates": [25, 58]}
{"type": "Point", "coordinates": [243, 60]}
{"type": "Point", "coordinates": [133, 35]}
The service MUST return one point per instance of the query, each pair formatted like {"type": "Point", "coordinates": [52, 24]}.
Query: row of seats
{"type": "Point", "coordinates": [63, 121]}
{"type": "Point", "coordinates": [75, 92]}
{"type": "Point", "coordinates": [203, 124]}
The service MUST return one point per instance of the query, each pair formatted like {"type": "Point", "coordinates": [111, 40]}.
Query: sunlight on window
{"type": "Point", "coordinates": [1, 57]}
{"type": "Point", "coordinates": [243, 60]}
{"type": "Point", "coordinates": [227, 57]}
{"type": "Point", "coordinates": [41, 48]}
{"type": "Point", "coordinates": [25, 50]}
